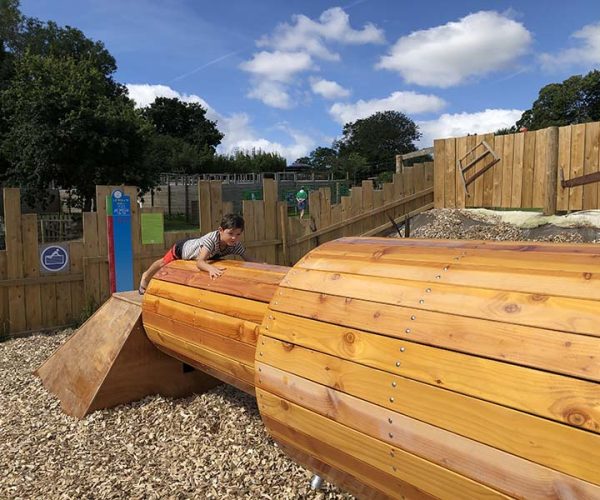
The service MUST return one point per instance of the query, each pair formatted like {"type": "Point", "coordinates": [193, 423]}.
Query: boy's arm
{"type": "Point", "coordinates": [201, 263]}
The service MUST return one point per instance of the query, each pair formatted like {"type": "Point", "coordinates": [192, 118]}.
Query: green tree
{"type": "Point", "coordinates": [70, 125]}
{"type": "Point", "coordinates": [323, 158]}
{"type": "Point", "coordinates": [575, 100]}
{"type": "Point", "coordinates": [379, 138]}
{"type": "Point", "coordinates": [184, 120]}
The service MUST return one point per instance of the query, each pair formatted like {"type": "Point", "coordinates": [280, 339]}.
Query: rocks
{"type": "Point", "coordinates": [208, 446]}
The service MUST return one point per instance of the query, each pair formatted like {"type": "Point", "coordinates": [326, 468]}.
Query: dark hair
{"type": "Point", "coordinates": [232, 221]}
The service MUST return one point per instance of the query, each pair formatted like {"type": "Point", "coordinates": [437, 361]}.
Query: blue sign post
{"type": "Point", "coordinates": [120, 255]}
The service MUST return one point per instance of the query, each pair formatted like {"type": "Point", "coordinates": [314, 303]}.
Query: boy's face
{"type": "Point", "coordinates": [230, 236]}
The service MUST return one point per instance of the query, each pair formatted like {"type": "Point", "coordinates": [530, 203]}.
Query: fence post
{"type": "Point", "coordinates": [551, 171]}
{"type": "Point", "coordinates": [399, 164]}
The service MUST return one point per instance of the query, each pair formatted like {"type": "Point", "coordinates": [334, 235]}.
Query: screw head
{"type": "Point", "coordinates": [394, 384]}
{"type": "Point", "coordinates": [391, 400]}
{"type": "Point", "coordinates": [407, 330]}
{"type": "Point", "coordinates": [397, 363]}
{"type": "Point", "coordinates": [402, 349]}
{"type": "Point", "coordinates": [413, 317]}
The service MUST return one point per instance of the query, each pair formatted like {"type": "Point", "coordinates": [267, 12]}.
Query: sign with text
{"type": "Point", "coordinates": [120, 247]}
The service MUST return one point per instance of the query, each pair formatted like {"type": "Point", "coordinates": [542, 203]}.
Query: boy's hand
{"type": "Point", "coordinates": [214, 272]}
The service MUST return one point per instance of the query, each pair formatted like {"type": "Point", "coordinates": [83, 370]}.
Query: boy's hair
{"type": "Point", "coordinates": [232, 221]}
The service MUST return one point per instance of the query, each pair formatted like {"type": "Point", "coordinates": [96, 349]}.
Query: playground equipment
{"type": "Point", "coordinates": [405, 368]}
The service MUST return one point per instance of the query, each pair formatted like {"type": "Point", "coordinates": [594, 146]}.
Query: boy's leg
{"type": "Point", "coordinates": [147, 276]}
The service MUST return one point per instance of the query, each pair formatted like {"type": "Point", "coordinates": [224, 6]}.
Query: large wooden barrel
{"type": "Point", "coordinates": [211, 325]}
{"type": "Point", "coordinates": [431, 368]}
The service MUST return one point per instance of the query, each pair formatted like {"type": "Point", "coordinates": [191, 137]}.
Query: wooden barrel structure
{"type": "Point", "coordinates": [403, 368]}
{"type": "Point", "coordinates": [211, 325]}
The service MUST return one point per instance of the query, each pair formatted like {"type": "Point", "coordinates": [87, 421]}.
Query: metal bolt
{"type": "Point", "coordinates": [260, 369]}
{"type": "Point", "coordinates": [390, 434]}
{"type": "Point", "coordinates": [260, 353]}
{"type": "Point", "coordinates": [428, 290]}
{"type": "Point", "coordinates": [413, 317]}
{"type": "Point", "coordinates": [391, 400]}
{"type": "Point", "coordinates": [438, 276]}
{"type": "Point", "coordinates": [275, 303]}
{"type": "Point", "coordinates": [394, 384]}
{"type": "Point", "coordinates": [421, 301]}
{"type": "Point", "coordinates": [407, 330]}
{"type": "Point", "coordinates": [397, 363]}
{"type": "Point", "coordinates": [402, 349]}
{"type": "Point", "coordinates": [266, 327]}
{"type": "Point", "coordinates": [389, 420]}
{"type": "Point", "coordinates": [446, 268]}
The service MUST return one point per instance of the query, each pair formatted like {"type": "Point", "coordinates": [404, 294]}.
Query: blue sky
{"type": "Point", "coordinates": [286, 75]}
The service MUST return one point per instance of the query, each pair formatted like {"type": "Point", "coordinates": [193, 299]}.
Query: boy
{"type": "Point", "coordinates": [301, 201]}
{"type": "Point", "coordinates": [216, 244]}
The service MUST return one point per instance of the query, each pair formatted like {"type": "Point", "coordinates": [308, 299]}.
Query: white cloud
{"type": "Point", "coordinates": [587, 53]}
{"type": "Point", "coordinates": [328, 89]}
{"type": "Point", "coordinates": [448, 55]}
{"type": "Point", "coordinates": [310, 36]}
{"type": "Point", "coordinates": [293, 47]}
{"type": "Point", "coordinates": [277, 66]}
{"type": "Point", "coordinates": [239, 134]}
{"type": "Point", "coordinates": [460, 124]}
{"type": "Point", "coordinates": [405, 102]}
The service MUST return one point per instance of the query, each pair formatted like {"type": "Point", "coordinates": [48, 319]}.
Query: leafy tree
{"type": "Point", "coordinates": [575, 100]}
{"type": "Point", "coordinates": [254, 161]}
{"type": "Point", "coordinates": [183, 120]}
{"type": "Point", "coordinates": [354, 166]}
{"type": "Point", "coordinates": [70, 124]}
{"type": "Point", "coordinates": [379, 138]}
{"type": "Point", "coordinates": [323, 158]}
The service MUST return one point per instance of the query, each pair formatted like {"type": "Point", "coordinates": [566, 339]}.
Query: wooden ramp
{"type": "Point", "coordinates": [110, 361]}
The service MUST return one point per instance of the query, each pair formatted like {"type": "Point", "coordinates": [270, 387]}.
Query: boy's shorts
{"type": "Point", "coordinates": [174, 253]}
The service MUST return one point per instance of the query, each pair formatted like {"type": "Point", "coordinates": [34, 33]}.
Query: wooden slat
{"type": "Point", "coordinates": [461, 151]}
{"type": "Point", "coordinates": [439, 149]}
{"type": "Point", "coordinates": [204, 205]}
{"type": "Point", "coordinates": [564, 399]}
{"type": "Point", "coordinates": [76, 287]}
{"type": "Point", "coordinates": [566, 449]}
{"type": "Point", "coordinates": [216, 204]}
{"type": "Point", "coordinates": [237, 307]}
{"type": "Point", "coordinates": [477, 188]}
{"type": "Point", "coordinates": [500, 470]}
{"type": "Point", "coordinates": [472, 141]}
{"type": "Point", "coordinates": [555, 313]}
{"type": "Point", "coordinates": [4, 310]}
{"type": "Point", "coordinates": [199, 336]}
{"type": "Point", "coordinates": [31, 268]}
{"type": "Point", "coordinates": [564, 166]}
{"type": "Point", "coordinates": [424, 475]}
{"type": "Point", "coordinates": [270, 196]}
{"type": "Point", "coordinates": [202, 355]}
{"type": "Point", "coordinates": [498, 170]}
{"type": "Point", "coordinates": [538, 282]}
{"type": "Point", "coordinates": [516, 187]}
{"type": "Point", "coordinates": [590, 164]}
{"type": "Point", "coordinates": [488, 176]}
{"type": "Point", "coordinates": [554, 351]}
{"type": "Point", "coordinates": [90, 250]}
{"type": "Point", "coordinates": [539, 173]}
{"type": "Point", "coordinates": [201, 320]}
{"type": "Point", "coordinates": [528, 169]}
{"type": "Point", "coordinates": [325, 195]}
{"type": "Point", "coordinates": [507, 170]}
{"type": "Point", "coordinates": [14, 258]}
{"type": "Point", "coordinates": [450, 174]}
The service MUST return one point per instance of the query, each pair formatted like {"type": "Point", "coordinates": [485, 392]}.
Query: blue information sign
{"type": "Point", "coordinates": [123, 249]}
{"type": "Point", "coordinates": [54, 259]}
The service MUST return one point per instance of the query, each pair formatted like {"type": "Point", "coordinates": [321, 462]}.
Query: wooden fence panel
{"type": "Point", "coordinates": [450, 175]}
{"type": "Point", "coordinates": [528, 170]}
{"type": "Point", "coordinates": [461, 152]}
{"type": "Point", "coordinates": [590, 166]}
{"type": "Point", "coordinates": [539, 174]}
{"type": "Point", "coordinates": [31, 269]}
{"type": "Point", "coordinates": [564, 166]}
{"type": "Point", "coordinates": [507, 170]}
{"type": "Point", "coordinates": [488, 176]}
{"type": "Point", "coordinates": [14, 258]}
{"type": "Point", "coordinates": [516, 188]}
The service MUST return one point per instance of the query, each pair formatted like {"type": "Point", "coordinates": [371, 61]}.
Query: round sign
{"type": "Point", "coordinates": [117, 194]}
{"type": "Point", "coordinates": [54, 258]}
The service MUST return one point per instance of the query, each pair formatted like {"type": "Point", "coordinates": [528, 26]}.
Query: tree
{"type": "Point", "coordinates": [70, 124]}
{"type": "Point", "coordinates": [322, 158]}
{"type": "Point", "coordinates": [379, 138]}
{"type": "Point", "coordinates": [184, 120]}
{"type": "Point", "coordinates": [575, 100]}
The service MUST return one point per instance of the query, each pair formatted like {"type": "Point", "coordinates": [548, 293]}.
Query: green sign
{"type": "Point", "coordinates": [153, 231]}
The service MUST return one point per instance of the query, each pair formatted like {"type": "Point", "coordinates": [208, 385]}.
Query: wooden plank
{"type": "Point", "coordinates": [270, 195]}
{"type": "Point", "coordinates": [556, 352]}
{"type": "Point", "coordinates": [284, 232]}
{"type": "Point", "coordinates": [461, 151]}
{"type": "Point", "coordinates": [201, 320]}
{"type": "Point", "coordinates": [63, 303]}
{"type": "Point", "coordinates": [439, 172]}
{"type": "Point", "coordinates": [556, 397]}
{"type": "Point", "coordinates": [216, 204]}
{"type": "Point", "coordinates": [76, 287]}
{"type": "Point", "coordinates": [542, 283]}
{"type": "Point", "coordinates": [498, 170]}
{"type": "Point", "coordinates": [4, 310]}
{"type": "Point", "coordinates": [539, 173]}
{"type": "Point", "coordinates": [566, 449]}
{"type": "Point", "coordinates": [259, 228]}
{"type": "Point", "coordinates": [325, 195]}
{"type": "Point", "coordinates": [450, 174]}
{"type": "Point", "coordinates": [204, 205]}
{"type": "Point", "coordinates": [500, 470]}
{"type": "Point", "coordinates": [550, 190]}
{"type": "Point", "coordinates": [564, 166]}
{"type": "Point", "coordinates": [488, 176]}
{"type": "Point", "coordinates": [202, 355]}
{"type": "Point", "coordinates": [528, 169]}
{"type": "Point", "coordinates": [314, 207]}
{"type": "Point", "coordinates": [101, 193]}
{"type": "Point", "coordinates": [516, 187]}
{"type": "Point", "coordinates": [424, 475]}
{"type": "Point", "coordinates": [201, 336]}
{"type": "Point", "coordinates": [361, 480]}
{"type": "Point", "coordinates": [250, 223]}
{"type": "Point", "coordinates": [31, 269]}
{"type": "Point", "coordinates": [14, 258]}
{"type": "Point", "coordinates": [90, 249]}
{"type": "Point", "coordinates": [590, 164]}
{"type": "Point", "coordinates": [507, 169]}
{"type": "Point", "coordinates": [476, 188]}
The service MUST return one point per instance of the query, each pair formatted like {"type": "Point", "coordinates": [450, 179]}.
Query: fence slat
{"type": "Point", "coordinates": [14, 258]}
{"type": "Point", "coordinates": [564, 166]}
{"type": "Point", "coordinates": [516, 188]}
{"type": "Point", "coordinates": [507, 169]}
{"type": "Point", "coordinates": [592, 138]}
{"type": "Point", "coordinates": [31, 269]}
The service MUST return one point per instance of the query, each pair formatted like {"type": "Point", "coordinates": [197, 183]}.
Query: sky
{"type": "Point", "coordinates": [286, 76]}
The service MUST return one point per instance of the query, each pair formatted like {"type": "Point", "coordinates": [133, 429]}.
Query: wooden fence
{"type": "Point", "coordinates": [528, 173]}
{"type": "Point", "coordinates": [30, 300]}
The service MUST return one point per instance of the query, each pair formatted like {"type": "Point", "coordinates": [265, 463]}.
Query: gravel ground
{"type": "Point", "coordinates": [209, 446]}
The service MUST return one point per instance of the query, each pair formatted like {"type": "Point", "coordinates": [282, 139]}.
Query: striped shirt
{"type": "Point", "coordinates": [191, 248]}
